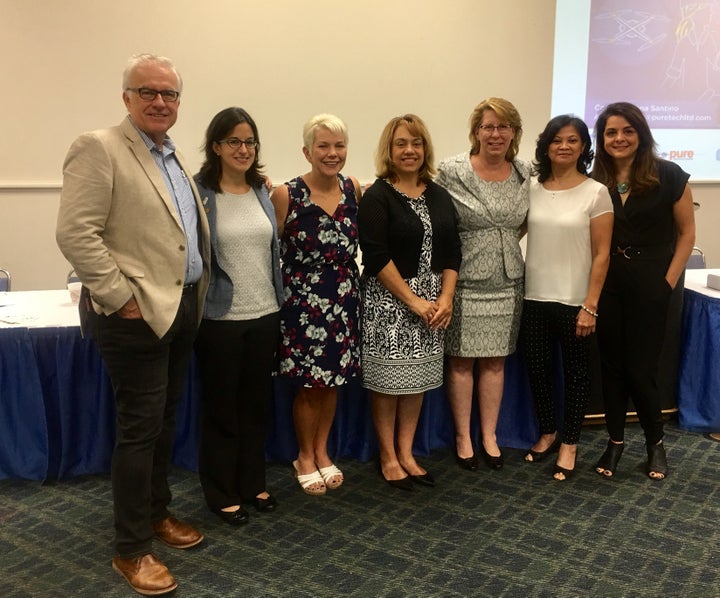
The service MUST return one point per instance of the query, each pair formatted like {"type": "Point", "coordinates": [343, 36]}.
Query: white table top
{"type": "Point", "coordinates": [696, 280]}
{"type": "Point", "coordinates": [37, 309]}
{"type": "Point", "coordinates": [48, 309]}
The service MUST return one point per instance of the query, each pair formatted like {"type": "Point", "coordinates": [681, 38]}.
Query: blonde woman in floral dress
{"type": "Point", "coordinates": [317, 219]}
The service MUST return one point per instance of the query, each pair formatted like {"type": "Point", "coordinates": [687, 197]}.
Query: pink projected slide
{"type": "Point", "coordinates": [664, 55]}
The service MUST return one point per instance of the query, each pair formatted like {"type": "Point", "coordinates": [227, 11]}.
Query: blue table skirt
{"type": "Point", "coordinates": [57, 411]}
{"type": "Point", "coordinates": [23, 431]}
{"type": "Point", "coordinates": [699, 380]}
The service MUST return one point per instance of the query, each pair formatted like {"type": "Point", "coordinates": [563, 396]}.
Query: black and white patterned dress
{"type": "Point", "coordinates": [400, 354]}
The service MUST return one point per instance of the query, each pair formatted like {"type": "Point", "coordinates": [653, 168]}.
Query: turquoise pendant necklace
{"type": "Point", "coordinates": [623, 188]}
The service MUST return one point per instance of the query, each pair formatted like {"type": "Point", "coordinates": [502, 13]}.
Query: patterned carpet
{"type": "Point", "coordinates": [513, 533]}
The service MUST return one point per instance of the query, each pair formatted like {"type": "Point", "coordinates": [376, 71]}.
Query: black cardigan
{"type": "Point", "coordinates": [389, 229]}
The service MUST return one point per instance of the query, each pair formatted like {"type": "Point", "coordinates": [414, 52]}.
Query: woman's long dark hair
{"type": "Point", "coordinates": [542, 165]}
{"type": "Point", "coordinates": [219, 128]}
{"type": "Point", "coordinates": [644, 169]}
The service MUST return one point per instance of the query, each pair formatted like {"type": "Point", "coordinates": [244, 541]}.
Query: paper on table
{"type": "Point", "coordinates": [22, 319]}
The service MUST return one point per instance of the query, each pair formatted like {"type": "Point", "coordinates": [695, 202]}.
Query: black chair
{"type": "Point", "coordinates": [4, 280]}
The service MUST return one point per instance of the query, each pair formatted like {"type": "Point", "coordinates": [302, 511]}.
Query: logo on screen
{"type": "Point", "coordinates": [675, 155]}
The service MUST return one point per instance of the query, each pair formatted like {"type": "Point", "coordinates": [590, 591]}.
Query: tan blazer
{"type": "Point", "coordinates": [119, 229]}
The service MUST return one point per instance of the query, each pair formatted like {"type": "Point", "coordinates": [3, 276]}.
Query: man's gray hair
{"type": "Point", "coordinates": [140, 59]}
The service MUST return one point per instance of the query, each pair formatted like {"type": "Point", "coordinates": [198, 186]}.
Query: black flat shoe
{"type": "Point", "coordinates": [490, 461]}
{"type": "Point", "coordinates": [425, 479]}
{"type": "Point", "coordinates": [238, 517]}
{"type": "Point", "coordinates": [657, 461]}
{"type": "Point", "coordinates": [263, 505]}
{"type": "Point", "coordinates": [537, 456]}
{"type": "Point", "coordinates": [608, 462]}
{"type": "Point", "coordinates": [469, 463]}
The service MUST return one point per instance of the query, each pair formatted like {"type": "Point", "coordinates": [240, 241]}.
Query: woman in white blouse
{"type": "Point", "coordinates": [570, 222]}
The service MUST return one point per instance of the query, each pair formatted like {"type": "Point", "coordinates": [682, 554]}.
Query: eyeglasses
{"type": "Point", "coordinates": [235, 143]}
{"type": "Point", "coordinates": [147, 94]}
{"type": "Point", "coordinates": [501, 129]}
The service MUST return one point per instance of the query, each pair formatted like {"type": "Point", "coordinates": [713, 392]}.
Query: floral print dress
{"type": "Point", "coordinates": [319, 317]}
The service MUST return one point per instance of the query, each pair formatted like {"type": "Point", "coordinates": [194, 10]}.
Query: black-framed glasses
{"type": "Point", "coordinates": [148, 94]}
{"type": "Point", "coordinates": [503, 129]}
{"type": "Point", "coordinates": [235, 143]}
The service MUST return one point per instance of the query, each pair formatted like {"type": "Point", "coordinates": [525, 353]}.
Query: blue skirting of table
{"type": "Point", "coordinates": [699, 379]}
{"type": "Point", "coordinates": [58, 411]}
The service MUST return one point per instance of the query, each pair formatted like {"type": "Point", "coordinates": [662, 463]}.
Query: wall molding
{"type": "Point", "coordinates": [30, 185]}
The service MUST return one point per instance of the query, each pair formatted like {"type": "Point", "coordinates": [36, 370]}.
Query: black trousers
{"type": "Point", "coordinates": [544, 324]}
{"type": "Point", "coordinates": [148, 377]}
{"type": "Point", "coordinates": [235, 359]}
{"type": "Point", "coordinates": [631, 326]}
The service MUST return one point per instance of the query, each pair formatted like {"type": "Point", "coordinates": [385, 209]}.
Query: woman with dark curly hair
{"type": "Point", "coordinates": [569, 224]}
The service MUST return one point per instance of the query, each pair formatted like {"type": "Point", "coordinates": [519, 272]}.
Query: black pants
{"type": "Point", "coordinates": [633, 312]}
{"type": "Point", "coordinates": [543, 325]}
{"type": "Point", "coordinates": [235, 360]}
{"type": "Point", "coordinates": [148, 377]}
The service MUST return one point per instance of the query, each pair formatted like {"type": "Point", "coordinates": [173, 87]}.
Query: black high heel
{"type": "Point", "coordinates": [657, 461]}
{"type": "Point", "coordinates": [424, 479]}
{"type": "Point", "coordinates": [536, 456]}
{"type": "Point", "coordinates": [608, 462]}
{"type": "Point", "coordinates": [405, 483]}
{"type": "Point", "coordinates": [490, 461]}
{"type": "Point", "coordinates": [566, 473]}
{"type": "Point", "coordinates": [469, 463]}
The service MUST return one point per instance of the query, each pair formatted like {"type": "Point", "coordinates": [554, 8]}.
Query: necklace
{"type": "Point", "coordinates": [623, 188]}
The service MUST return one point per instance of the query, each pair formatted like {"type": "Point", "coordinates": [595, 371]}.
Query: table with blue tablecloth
{"type": "Point", "coordinates": [699, 378]}
{"type": "Point", "coordinates": [57, 405]}
{"type": "Point", "coordinates": [57, 409]}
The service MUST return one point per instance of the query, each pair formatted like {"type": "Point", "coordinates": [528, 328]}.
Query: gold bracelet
{"type": "Point", "coordinates": [594, 314]}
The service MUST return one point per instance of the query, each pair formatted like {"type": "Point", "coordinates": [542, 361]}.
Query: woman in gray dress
{"type": "Point", "coordinates": [490, 191]}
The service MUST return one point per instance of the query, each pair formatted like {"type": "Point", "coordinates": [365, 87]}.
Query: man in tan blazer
{"type": "Point", "coordinates": [132, 225]}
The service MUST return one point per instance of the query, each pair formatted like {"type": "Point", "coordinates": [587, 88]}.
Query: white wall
{"type": "Point", "coordinates": [282, 60]}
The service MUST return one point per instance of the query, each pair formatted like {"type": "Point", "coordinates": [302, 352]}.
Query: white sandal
{"type": "Point", "coordinates": [306, 480]}
{"type": "Point", "coordinates": [330, 475]}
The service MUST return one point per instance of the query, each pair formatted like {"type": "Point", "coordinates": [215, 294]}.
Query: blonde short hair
{"type": "Point", "coordinates": [506, 112]}
{"type": "Point", "coordinates": [384, 168]}
{"type": "Point", "coordinates": [330, 122]}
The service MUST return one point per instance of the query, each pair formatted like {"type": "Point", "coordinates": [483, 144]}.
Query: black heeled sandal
{"type": "Point", "coordinates": [566, 473]}
{"type": "Point", "coordinates": [609, 460]}
{"type": "Point", "coordinates": [537, 456]}
{"type": "Point", "coordinates": [657, 461]}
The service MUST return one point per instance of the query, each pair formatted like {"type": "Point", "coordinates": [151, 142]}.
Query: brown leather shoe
{"type": "Point", "coordinates": [176, 534]}
{"type": "Point", "coordinates": [145, 574]}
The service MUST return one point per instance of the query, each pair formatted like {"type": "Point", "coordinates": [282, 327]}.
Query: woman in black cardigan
{"type": "Point", "coordinates": [411, 253]}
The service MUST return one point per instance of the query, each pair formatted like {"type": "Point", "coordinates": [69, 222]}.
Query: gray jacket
{"type": "Point", "coordinates": [220, 292]}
